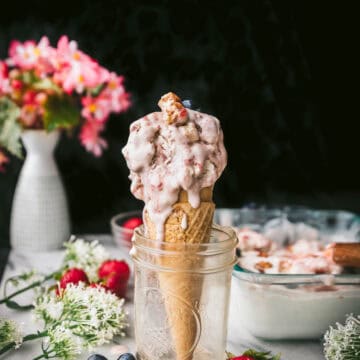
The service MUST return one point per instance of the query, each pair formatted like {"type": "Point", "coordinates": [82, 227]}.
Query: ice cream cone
{"type": "Point", "coordinates": [180, 288]}
{"type": "Point", "coordinates": [167, 152]}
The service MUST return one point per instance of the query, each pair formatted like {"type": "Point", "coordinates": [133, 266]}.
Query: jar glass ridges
{"type": "Point", "coordinates": [181, 296]}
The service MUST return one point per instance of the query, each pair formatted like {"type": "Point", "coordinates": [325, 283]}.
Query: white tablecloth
{"type": "Point", "coordinates": [238, 338]}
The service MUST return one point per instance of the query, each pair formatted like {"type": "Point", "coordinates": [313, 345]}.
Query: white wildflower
{"type": "Point", "coordinates": [85, 255]}
{"type": "Point", "coordinates": [62, 343]}
{"type": "Point", "coordinates": [10, 332]}
{"type": "Point", "coordinates": [48, 308]}
{"type": "Point", "coordinates": [95, 311]}
{"type": "Point", "coordinates": [92, 314]}
{"type": "Point", "coordinates": [343, 342]}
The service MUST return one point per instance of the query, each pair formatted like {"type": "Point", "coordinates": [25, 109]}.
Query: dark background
{"type": "Point", "coordinates": [280, 75]}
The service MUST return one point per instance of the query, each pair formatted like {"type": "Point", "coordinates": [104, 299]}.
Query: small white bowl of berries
{"type": "Point", "coordinates": [123, 225]}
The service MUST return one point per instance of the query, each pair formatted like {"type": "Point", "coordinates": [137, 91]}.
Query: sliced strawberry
{"type": "Point", "coordinates": [114, 267]}
{"type": "Point", "coordinates": [73, 276]}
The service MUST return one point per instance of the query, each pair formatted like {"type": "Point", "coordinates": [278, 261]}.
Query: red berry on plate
{"type": "Point", "coordinates": [132, 223]}
{"type": "Point", "coordinates": [114, 267]}
{"type": "Point", "coordinates": [243, 357]}
{"type": "Point", "coordinates": [73, 276]}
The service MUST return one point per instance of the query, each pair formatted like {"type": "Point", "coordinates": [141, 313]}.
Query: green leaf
{"type": "Point", "coordinates": [28, 77]}
{"type": "Point", "coordinates": [46, 84]}
{"type": "Point", "coordinates": [14, 305]}
{"type": "Point", "coordinates": [61, 112]}
{"type": "Point", "coordinates": [229, 355]}
{"type": "Point", "coordinates": [57, 276]}
{"type": "Point", "coordinates": [97, 90]}
{"type": "Point", "coordinates": [10, 129]}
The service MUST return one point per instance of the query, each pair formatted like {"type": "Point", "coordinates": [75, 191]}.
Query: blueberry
{"type": "Point", "coordinates": [126, 356]}
{"type": "Point", "coordinates": [191, 104]}
{"type": "Point", "coordinates": [187, 103]}
{"type": "Point", "coordinates": [97, 357]}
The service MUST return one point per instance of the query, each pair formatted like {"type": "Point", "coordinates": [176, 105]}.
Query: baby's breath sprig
{"type": "Point", "coordinates": [85, 255]}
{"type": "Point", "coordinates": [93, 313]}
{"type": "Point", "coordinates": [82, 318]}
{"type": "Point", "coordinates": [29, 280]}
{"type": "Point", "coordinates": [10, 333]}
{"type": "Point", "coordinates": [78, 253]}
{"type": "Point", "coordinates": [60, 343]}
{"type": "Point", "coordinates": [343, 342]}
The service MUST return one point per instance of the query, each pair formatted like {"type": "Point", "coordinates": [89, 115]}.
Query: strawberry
{"type": "Point", "coordinates": [253, 355]}
{"type": "Point", "coordinates": [115, 275]}
{"type": "Point", "coordinates": [116, 285]}
{"type": "Point", "coordinates": [132, 223]}
{"type": "Point", "coordinates": [95, 285]}
{"type": "Point", "coordinates": [114, 267]}
{"type": "Point", "coordinates": [73, 276]}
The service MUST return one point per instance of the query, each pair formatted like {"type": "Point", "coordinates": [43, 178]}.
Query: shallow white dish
{"type": "Point", "coordinates": [292, 306]}
{"type": "Point", "coordinates": [281, 306]}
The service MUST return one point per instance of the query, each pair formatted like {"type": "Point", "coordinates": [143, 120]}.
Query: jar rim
{"type": "Point", "coordinates": [217, 255]}
{"type": "Point", "coordinates": [225, 237]}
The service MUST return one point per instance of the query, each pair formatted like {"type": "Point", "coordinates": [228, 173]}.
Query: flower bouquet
{"type": "Point", "coordinates": [43, 90]}
{"type": "Point", "coordinates": [42, 87]}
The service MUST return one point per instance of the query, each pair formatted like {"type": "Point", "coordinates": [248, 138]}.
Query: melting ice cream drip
{"type": "Point", "coordinates": [170, 151]}
{"type": "Point", "coordinates": [184, 223]}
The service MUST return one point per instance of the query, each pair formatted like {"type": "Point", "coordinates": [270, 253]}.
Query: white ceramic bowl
{"type": "Point", "coordinates": [283, 306]}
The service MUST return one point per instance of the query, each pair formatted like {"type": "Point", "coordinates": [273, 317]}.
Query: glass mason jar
{"type": "Point", "coordinates": [182, 296]}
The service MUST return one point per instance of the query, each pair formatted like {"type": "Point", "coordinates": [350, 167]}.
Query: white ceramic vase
{"type": "Point", "coordinates": [39, 217]}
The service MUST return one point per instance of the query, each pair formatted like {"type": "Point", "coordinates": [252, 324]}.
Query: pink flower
{"type": "Point", "coordinates": [90, 139]}
{"type": "Point", "coordinates": [34, 98]}
{"type": "Point", "coordinates": [95, 108]}
{"type": "Point", "coordinates": [29, 55]}
{"type": "Point", "coordinates": [29, 97]}
{"type": "Point", "coordinates": [5, 87]}
{"type": "Point", "coordinates": [115, 91]}
{"type": "Point", "coordinates": [76, 70]}
{"type": "Point", "coordinates": [3, 161]}
{"type": "Point", "coordinates": [4, 71]}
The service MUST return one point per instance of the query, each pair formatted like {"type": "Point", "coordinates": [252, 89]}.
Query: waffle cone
{"type": "Point", "coordinates": [182, 289]}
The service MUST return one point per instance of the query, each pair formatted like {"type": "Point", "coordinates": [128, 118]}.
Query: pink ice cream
{"type": "Point", "coordinates": [304, 256]}
{"type": "Point", "coordinates": [173, 150]}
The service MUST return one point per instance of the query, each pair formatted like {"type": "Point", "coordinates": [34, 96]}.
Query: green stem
{"type": "Point", "coordinates": [31, 286]}
{"type": "Point", "coordinates": [42, 356]}
{"type": "Point", "coordinates": [25, 338]}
